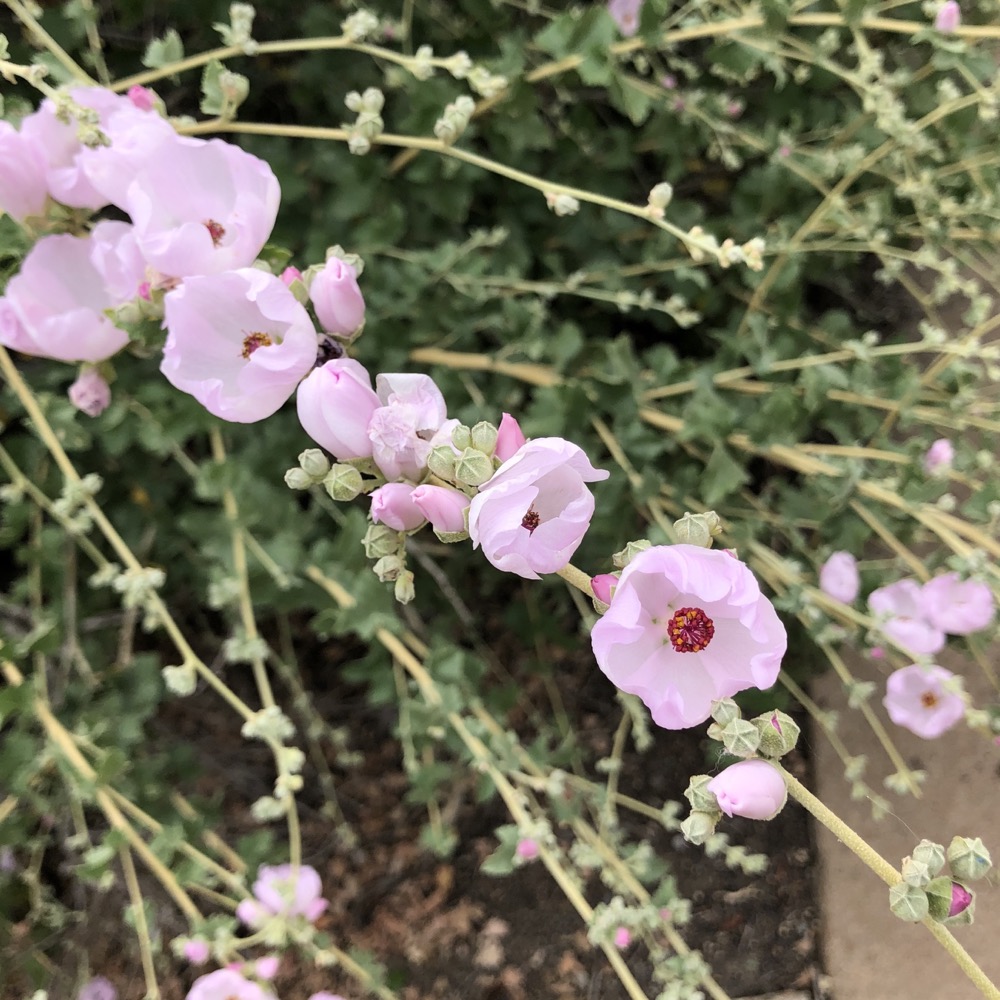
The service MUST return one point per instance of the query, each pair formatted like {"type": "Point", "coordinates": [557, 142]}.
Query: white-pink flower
{"type": "Point", "coordinates": [958, 607]}
{"type": "Point", "coordinates": [202, 208]}
{"type": "Point", "coordinates": [402, 429]}
{"type": "Point", "coordinates": [753, 789]}
{"type": "Point", "coordinates": [687, 626]}
{"type": "Point", "coordinates": [839, 578]}
{"type": "Point", "coordinates": [54, 306]}
{"type": "Point", "coordinates": [626, 15]}
{"type": "Point", "coordinates": [336, 297]}
{"type": "Point", "coordinates": [335, 403]}
{"type": "Point", "coordinates": [227, 984]}
{"type": "Point", "coordinates": [116, 256]}
{"type": "Point", "coordinates": [916, 699]}
{"type": "Point", "coordinates": [238, 342]}
{"type": "Point", "coordinates": [23, 191]}
{"type": "Point", "coordinates": [939, 457]}
{"type": "Point", "coordinates": [531, 516]}
{"type": "Point", "coordinates": [900, 613]}
{"type": "Point", "coordinates": [283, 891]}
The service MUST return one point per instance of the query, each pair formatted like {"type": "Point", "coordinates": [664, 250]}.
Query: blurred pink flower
{"type": "Point", "coordinates": [202, 208]}
{"type": "Point", "coordinates": [197, 951]}
{"type": "Point", "coordinates": [527, 849]}
{"type": "Point", "coordinates": [323, 995]}
{"type": "Point", "coordinates": [54, 306]}
{"type": "Point", "coordinates": [938, 458]}
{"type": "Point", "coordinates": [626, 15]}
{"type": "Point", "coordinates": [916, 700]}
{"type": "Point", "coordinates": [141, 97]}
{"type": "Point", "coordinates": [839, 579]}
{"type": "Point", "coordinates": [97, 988]}
{"type": "Point", "coordinates": [23, 191]}
{"type": "Point", "coordinates": [393, 506]}
{"type": "Point", "coordinates": [90, 393]}
{"type": "Point", "coordinates": [753, 789]}
{"type": "Point", "coordinates": [335, 403]}
{"type": "Point", "coordinates": [283, 891]}
{"type": "Point", "coordinates": [687, 626]}
{"type": "Point", "coordinates": [267, 967]}
{"type": "Point", "coordinates": [337, 299]}
{"type": "Point", "coordinates": [444, 508]}
{"type": "Point", "coordinates": [226, 984]}
{"type": "Point", "coordinates": [116, 256]}
{"type": "Point", "coordinates": [958, 607]}
{"type": "Point", "coordinates": [402, 429]}
{"type": "Point", "coordinates": [623, 938]}
{"type": "Point", "coordinates": [901, 615]}
{"type": "Point", "coordinates": [531, 516]}
{"type": "Point", "coordinates": [510, 437]}
{"type": "Point", "coordinates": [948, 17]}
{"type": "Point", "coordinates": [238, 342]}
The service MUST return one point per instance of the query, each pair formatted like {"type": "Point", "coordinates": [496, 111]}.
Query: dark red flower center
{"type": "Point", "coordinates": [928, 699]}
{"type": "Point", "coordinates": [216, 230]}
{"type": "Point", "coordinates": [690, 630]}
{"type": "Point", "coordinates": [254, 340]}
{"type": "Point", "coordinates": [531, 520]}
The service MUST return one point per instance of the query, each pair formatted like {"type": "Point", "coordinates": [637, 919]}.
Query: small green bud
{"type": "Point", "coordinates": [939, 897]}
{"type": "Point", "coordinates": [930, 854]}
{"type": "Point", "coordinates": [441, 461]}
{"type": "Point", "coordinates": [660, 196]}
{"type": "Point", "coordinates": [343, 482]}
{"type": "Point", "coordinates": [461, 437]}
{"type": "Point", "coordinates": [314, 463]}
{"type": "Point", "coordinates": [697, 793]}
{"type": "Point", "coordinates": [180, 680]}
{"type": "Point", "coordinates": [698, 827]}
{"type": "Point", "coordinates": [404, 591]}
{"type": "Point", "coordinates": [380, 541]}
{"type": "Point", "coordinates": [484, 437]}
{"type": "Point", "coordinates": [908, 902]}
{"type": "Point", "coordinates": [473, 468]}
{"type": "Point", "coordinates": [969, 858]}
{"type": "Point", "coordinates": [916, 873]}
{"type": "Point", "coordinates": [388, 568]}
{"type": "Point", "coordinates": [298, 479]}
{"type": "Point", "coordinates": [725, 710]}
{"type": "Point", "coordinates": [741, 738]}
{"type": "Point", "coordinates": [693, 529]}
{"type": "Point", "coordinates": [621, 559]}
{"type": "Point", "coordinates": [778, 733]}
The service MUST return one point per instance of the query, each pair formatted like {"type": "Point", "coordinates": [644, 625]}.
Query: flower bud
{"type": "Point", "coordinates": [393, 505]}
{"type": "Point", "coordinates": [939, 897]}
{"type": "Point", "coordinates": [403, 590]}
{"type": "Point", "coordinates": [298, 479]}
{"type": "Point", "coordinates": [692, 530]}
{"type": "Point", "coordinates": [621, 559]}
{"type": "Point", "coordinates": [461, 437]}
{"type": "Point", "coordinates": [948, 17]}
{"type": "Point", "coordinates": [527, 849]}
{"type": "Point", "coordinates": [335, 404]}
{"type": "Point", "coordinates": [969, 859]}
{"type": "Point", "coordinates": [661, 195]}
{"type": "Point", "coordinates": [698, 827]}
{"type": "Point", "coordinates": [337, 298]}
{"type": "Point", "coordinates": [343, 482]}
{"type": "Point", "coordinates": [725, 710]}
{"type": "Point", "coordinates": [388, 568]}
{"type": "Point", "coordinates": [603, 586]}
{"type": "Point", "coordinates": [441, 461]}
{"type": "Point", "coordinates": [180, 680]}
{"type": "Point", "coordinates": [778, 733]}
{"type": "Point", "coordinates": [509, 438]}
{"type": "Point", "coordinates": [916, 873]}
{"type": "Point", "coordinates": [90, 393]}
{"type": "Point", "coordinates": [484, 437]}
{"type": "Point", "coordinates": [740, 738]}
{"type": "Point", "coordinates": [908, 902]}
{"type": "Point", "coordinates": [930, 854]}
{"type": "Point", "coordinates": [963, 905]}
{"type": "Point", "coordinates": [697, 793]}
{"type": "Point", "coordinates": [473, 468]}
{"type": "Point", "coordinates": [754, 789]}
{"type": "Point", "coordinates": [380, 540]}
{"type": "Point", "coordinates": [444, 508]}
{"type": "Point", "coordinates": [314, 463]}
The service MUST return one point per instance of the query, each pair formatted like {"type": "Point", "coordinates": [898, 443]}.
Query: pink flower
{"type": "Point", "coordinates": [603, 586]}
{"type": "Point", "coordinates": [688, 626]}
{"type": "Point", "coordinates": [961, 899]}
{"type": "Point", "coordinates": [753, 789]}
{"type": "Point", "coordinates": [401, 431]}
{"type": "Point", "coordinates": [23, 191]}
{"type": "Point", "coordinates": [393, 506]}
{"type": "Point", "coordinates": [291, 274]}
{"type": "Point", "coordinates": [444, 508]}
{"type": "Point", "coordinates": [55, 304]}
{"type": "Point", "coordinates": [202, 208]}
{"type": "Point", "coordinates": [141, 97]}
{"type": "Point", "coordinates": [957, 607]}
{"type": "Point", "coordinates": [626, 15]}
{"type": "Point", "coordinates": [116, 256]}
{"type": "Point", "coordinates": [98, 988]}
{"type": "Point", "coordinates": [238, 342]}
{"type": "Point", "coordinates": [509, 438]}
{"type": "Point", "coordinates": [948, 17]}
{"type": "Point", "coordinates": [267, 967]}
{"type": "Point", "coordinates": [623, 938]}
{"type": "Point", "coordinates": [917, 700]}
{"type": "Point", "coordinates": [531, 516]}
{"type": "Point", "coordinates": [839, 579]}
{"type": "Point", "coordinates": [197, 951]}
{"type": "Point", "coordinates": [901, 615]}
{"type": "Point", "coordinates": [90, 393]}
{"type": "Point", "coordinates": [226, 984]}
{"type": "Point", "coordinates": [283, 891]}
{"type": "Point", "coordinates": [337, 298]}
{"type": "Point", "coordinates": [335, 403]}
{"type": "Point", "coordinates": [527, 849]}
{"type": "Point", "coordinates": [938, 459]}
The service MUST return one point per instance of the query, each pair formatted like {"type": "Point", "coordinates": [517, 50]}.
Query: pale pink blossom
{"type": "Point", "coordinates": [393, 506]}
{"type": "Point", "coordinates": [118, 260]}
{"type": "Point", "coordinates": [839, 578]}
{"type": "Point", "coordinates": [623, 938]}
{"type": "Point", "coordinates": [202, 208]}
{"type": "Point", "coordinates": [753, 789]}
{"type": "Point", "coordinates": [443, 507]}
{"type": "Point", "coordinates": [531, 516]}
{"type": "Point", "coordinates": [939, 457]}
{"type": "Point", "coordinates": [238, 342]}
{"type": "Point", "coordinates": [267, 967]}
{"type": "Point", "coordinates": [527, 849]}
{"type": "Point", "coordinates": [335, 404]}
{"type": "Point", "coordinates": [603, 586]}
{"type": "Point", "coordinates": [916, 699]}
{"type": "Point", "coordinates": [626, 15]}
{"type": "Point", "coordinates": [958, 607]}
{"type": "Point", "coordinates": [900, 614]}
{"type": "Point", "coordinates": [336, 297]}
{"type": "Point", "coordinates": [197, 951]}
{"type": "Point", "coordinates": [97, 988]}
{"type": "Point", "coordinates": [55, 304]}
{"type": "Point", "coordinates": [23, 191]}
{"type": "Point", "coordinates": [510, 437]}
{"type": "Point", "coordinates": [283, 891]}
{"type": "Point", "coordinates": [402, 429]}
{"type": "Point", "coordinates": [227, 984]}
{"type": "Point", "coordinates": [90, 393]}
{"type": "Point", "coordinates": [687, 626]}
{"type": "Point", "coordinates": [948, 17]}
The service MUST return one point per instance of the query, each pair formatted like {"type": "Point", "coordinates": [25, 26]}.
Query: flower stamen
{"type": "Point", "coordinates": [254, 340]}
{"type": "Point", "coordinates": [216, 230]}
{"type": "Point", "coordinates": [928, 699]}
{"type": "Point", "coordinates": [690, 630]}
{"type": "Point", "coordinates": [531, 520]}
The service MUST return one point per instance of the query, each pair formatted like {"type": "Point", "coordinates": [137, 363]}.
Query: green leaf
{"type": "Point", "coordinates": [163, 51]}
{"type": "Point", "coordinates": [721, 477]}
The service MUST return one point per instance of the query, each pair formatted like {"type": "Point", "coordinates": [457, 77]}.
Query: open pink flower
{"type": "Point", "coordinates": [685, 627]}
{"type": "Point", "coordinates": [116, 256]}
{"type": "Point", "coordinates": [531, 516]}
{"type": "Point", "coordinates": [283, 891]}
{"type": "Point", "coordinates": [335, 404]}
{"type": "Point", "coordinates": [753, 789]}
{"type": "Point", "coordinates": [901, 614]}
{"type": "Point", "coordinates": [402, 429]}
{"type": "Point", "coordinates": [917, 700]}
{"type": "Point", "coordinates": [958, 607]}
{"type": "Point", "coordinates": [238, 342]}
{"type": "Point", "coordinates": [839, 578]}
{"type": "Point", "coordinates": [227, 984]}
{"type": "Point", "coordinates": [23, 191]}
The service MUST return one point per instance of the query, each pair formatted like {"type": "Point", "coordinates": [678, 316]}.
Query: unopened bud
{"type": "Point", "coordinates": [380, 541]}
{"type": "Point", "coordinates": [343, 482]}
{"type": "Point", "coordinates": [461, 437]}
{"type": "Point", "coordinates": [441, 461]}
{"type": "Point", "coordinates": [915, 873]}
{"type": "Point", "coordinates": [484, 437]}
{"type": "Point", "coordinates": [778, 733]}
{"type": "Point", "coordinates": [661, 195]}
{"type": "Point", "coordinates": [908, 902]}
{"type": "Point", "coordinates": [621, 559]}
{"type": "Point", "coordinates": [725, 710]}
{"type": "Point", "coordinates": [180, 680]}
{"type": "Point", "coordinates": [698, 827]}
{"type": "Point", "coordinates": [741, 738]}
{"type": "Point", "coordinates": [314, 463]}
{"type": "Point", "coordinates": [930, 854]}
{"type": "Point", "coordinates": [701, 799]}
{"type": "Point", "coordinates": [697, 529]}
{"type": "Point", "coordinates": [403, 590]}
{"type": "Point", "coordinates": [968, 858]}
{"type": "Point", "coordinates": [473, 468]}
{"type": "Point", "coordinates": [298, 479]}
{"type": "Point", "coordinates": [388, 568]}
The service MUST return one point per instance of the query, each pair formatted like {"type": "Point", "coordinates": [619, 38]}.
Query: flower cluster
{"type": "Point", "coordinates": [200, 212]}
